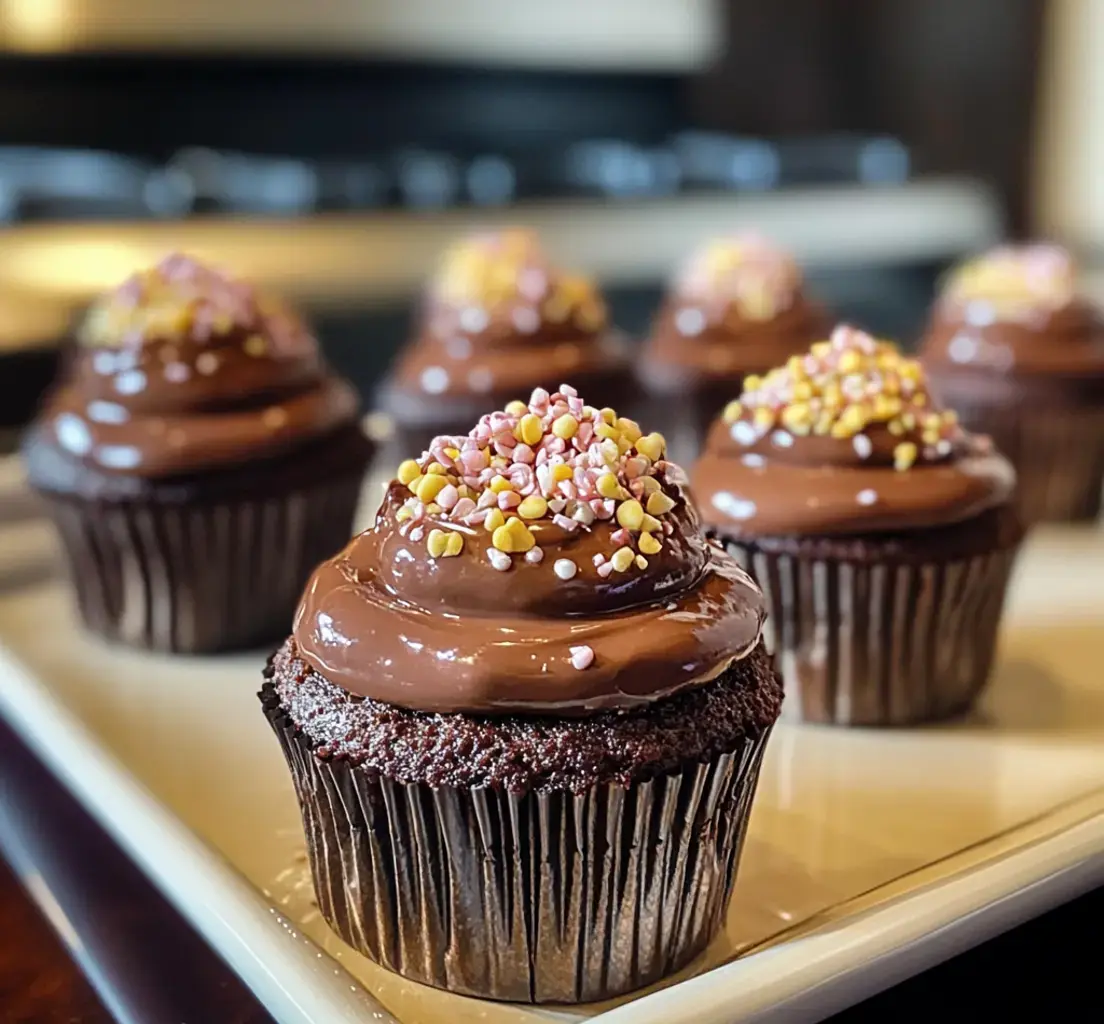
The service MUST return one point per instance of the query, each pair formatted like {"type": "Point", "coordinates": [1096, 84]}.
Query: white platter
{"type": "Point", "coordinates": [871, 855]}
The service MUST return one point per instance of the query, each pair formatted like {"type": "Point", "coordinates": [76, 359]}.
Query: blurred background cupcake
{"type": "Point", "coordinates": [737, 307]}
{"type": "Point", "coordinates": [882, 533]}
{"type": "Point", "coordinates": [1019, 353]}
{"type": "Point", "coordinates": [198, 459]}
{"type": "Point", "coordinates": [473, 804]}
{"type": "Point", "coordinates": [497, 321]}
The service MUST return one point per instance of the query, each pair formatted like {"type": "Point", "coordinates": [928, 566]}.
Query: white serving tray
{"type": "Point", "coordinates": [870, 856]}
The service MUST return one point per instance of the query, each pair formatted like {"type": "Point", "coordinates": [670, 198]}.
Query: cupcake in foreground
{"type": "Point", "coordinates": [738, 307]}
{"type": "Point", "coordinates": [497, 321]}
{"type": "Point", "coordinates": [198, 458]}
{"type": "Point", "coordinates": [882, 533]}
{"type": "Point", "coordinates": [1020, 355]}
{"type": "Point", "coordinates": [525, 713]}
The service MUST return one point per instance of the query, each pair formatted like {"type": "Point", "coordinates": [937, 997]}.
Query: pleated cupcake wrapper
{"type": "Point", "coordinates": [881, 644]}
{"type": "Point", "coordinates": [1058, 454]}
{"type": "Point", "coordinates": [200, 578]}
{"type": "Point", "coordinates": [543, 897]}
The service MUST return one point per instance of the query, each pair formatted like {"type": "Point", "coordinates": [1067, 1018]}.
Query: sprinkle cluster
{"type": "Point", "coordinates": [509, 273]}
{"type": "Point", "coordinates": [179, 299]}
{"type": "Point", "coordinates": [1014, 280]}
{"type": "Point", "coordinates": [736, 279]}
{"type": "Point", "coordinates": [552, 463]}
{"type": "Point", "coordinates": [840, 388]}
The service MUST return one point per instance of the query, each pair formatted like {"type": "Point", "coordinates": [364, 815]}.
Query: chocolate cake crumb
{"type": "Point", "coordinates": [524, 753]}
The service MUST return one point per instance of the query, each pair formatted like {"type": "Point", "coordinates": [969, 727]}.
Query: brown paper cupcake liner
{"type": "Point", "coordinates": [541, 897]}
{"type": "Point", "coordinates": [1058, 454]}
{"type": "Point", "coordinates": [880, 644]}
{"type": "Point", "coordinates": [197, 578]}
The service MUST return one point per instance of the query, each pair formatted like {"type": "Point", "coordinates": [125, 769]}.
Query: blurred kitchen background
{"type": "Point", "coordinates": [331, 148]}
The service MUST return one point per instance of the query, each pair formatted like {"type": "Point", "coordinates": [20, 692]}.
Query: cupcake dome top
{"type": "Point", "coordinates": [183, 369]}
{"type": "Point", "coordinates": [846, 438]}
{"type": "Point", "coordinates": [1015, 282]}
{"type": "Point", "coordinates": [562, 564]}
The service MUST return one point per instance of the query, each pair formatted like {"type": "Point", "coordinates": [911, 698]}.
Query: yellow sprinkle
{"type": "Point", "coordinates": [823, 424]}
{"type": "Point", "coordinates": [529, 429]}
{"type": "Point", "coordinates": [606, 432]}
{"type": "Point", "coordinates": [796, 416]}
{"type": "Point", "coordinates": [608, 486]}
{"type": "Point", "coordinates": [821, 349]}
{"type": "Point", "coordinates": [452, 453]}
{"type": "Point", "coordinates": [920, 399]}
{"type": "Point", "coordinates": [649, 545]}
{"type": "Point", "coordinates": [403, 515]}
{"type": "Point", "coordinates": [454, 545]}
{"type": "Point", "coordinates": [732, 411]}
{"type": "Point", "coordinates": [255, 345]}
{"type": "Point", "coordinates": [629, 428]}
{"type": "Point", "coordinates": [764, 417]}
{"type": "Point", "coordinates": [494, 520]}
{"type": "Point", "coordinates": [752, 382]}
{"type": "Point", "coordinates": [641, 562]}
{"type": "Point", "coordinates": [648, 484]}
{"type": "Point", "coordinates": [651, 524]}
{"type": "Point", "coordinates": [430, 486]}
{"type": "Point", "coordinates": [500, 484]}
{"type": "Point", "coordinates": [653, 446]}
{"type": "Point", "coordinates": [436, 542]}
{"type": "Point", "coordinates": [609, 416]}
{"type": "Point", "coordinates": [408, 471]}
{"type": "Point", "coordinates": [950, 417]}
{"type": "Point", "coordinates": [436, 469]}
{"type": "Point", "coordinates": [622, 559]}
{"type": "Point", "coordinates": [896, 427]}
{"type": "Point", "coordinates": [796, 366]}
{"type": "Point", "coordinates": [533, 507]}
{"type": "Point", "coordinates": [565, 426]}
{"type": "Point", "coordinates": [930, 437]}
{"type": "Point", "coordinates": [561, 472]}
{"type": "Point", "coordinates": [904, 455]}
{"type": "Point", "coordinates": [659, 503]}
{"type": "Point", "coordinates": [517, 408]}
{"type": "Point", "coordinates": [513, 536]}
{"type": "Point", "coordinates": [850, 362]}
{"type": "Point", "coordinates": [630, 514]}
{"type": "Point", "coordinates": [433, 509]}
{"type": "Point", "coordinates": [909, 420]}
{"type": "Point", "coordinates": [623, 445]}
{"type": "Point", "coordinates": [802, 391]}
{"type": "Point", "coordinates": [590, 413]}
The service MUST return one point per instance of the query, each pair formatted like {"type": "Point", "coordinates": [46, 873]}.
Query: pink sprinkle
{"type": "Point", "coordinates": [448, 496]}
{"type": "Point", "coordinates": [568, 490]}
{"type": "Point", "coordinates": [538, 399]}
{"type": "Point", "coordinates": [555, 445]}
{"type": "Point", "coordinates": [599, 558]}
{"type": "Point", "coordinates": [472, 460]}
{"type": "Point", "coordinates": [508, 500]}
{"type": "Point", "coordinates": [463, 507]}
{"type": "Point", "coordinates": [605, 569]}
{"type": "Point", "coordinates": [534, 556]}
{"type": "Point", "coordinates": [575, 405]}
{"type": "Point", "coordinates": [524, 454]}
{"type": "Point", "coordinates": [635, 467]}
{"type": "Point", "coordinates": [502, 448]}
{"type": "Point", "coordinates": [584, 435]}
{"type": "Point", "coordinates": [582, 657]}
{"type": "Point", "coordinates": [477, 517]}
{"type": "Point", "coordinates": [621, 538]}
{"type": "Point", "coordinates": [564, 523]}
{"type": "Point", "coordinates": [605, 508]}
{"type": "Point", "coordinates": [568, 391]}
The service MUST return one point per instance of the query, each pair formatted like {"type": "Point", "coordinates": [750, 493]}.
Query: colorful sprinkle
{"type": "Point", "coordinates": [564, 568]}
{"type": "Point", "coordinates": [582, 657]}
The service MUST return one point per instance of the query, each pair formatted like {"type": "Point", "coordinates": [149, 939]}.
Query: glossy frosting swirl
{"type": "Point", "coordinates": [510, 583]}
{"type": "Point", "coordinates": [182, 369]}
{"type": "Point", "coordinates": [1016, 311]}
{"type": "Point", "coordinates": [737, 307]}
{"type": "Point", "coordinates": [844, 440]}
{"type": "Point", "coordinates": [499, 319]}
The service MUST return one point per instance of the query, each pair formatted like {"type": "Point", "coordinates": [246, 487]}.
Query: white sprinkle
{"type": "Point", "coordinates": [526, 319]}
{"type": "Point", "coordinates": [532, 283]}
{"type": "Point", "coordinates": [583, 514]}
{"type": "Point", "coordinates": [565, 568]}
{"type": "Point", "coordinates": [782, 439]}
{"type": "Point", "coordinates": [599, 558]}
{"type": "Point", "coordinates": [943, 447]}
{"type": "Point", "coordinates": [434, 380]}
{"type": "Point", "coordinates": [672, 606]}
{"type": "Point", "coordinates": [107, 412]}
{"type": "Point", "coordinates": [962, 349]}
{"type": "Point", "coordinates": [744, 433]}
{"type": "Point", "coordinates": [130, 382]}
{"type": "Point", "coordinates": [863, 446]}
{"type": "Point", "coordinates": [866, 497]}
{"type": "Point", "coordinates": [534, 556]}
{"type": "Point", "coordinates": [605, 569]}
{"type": "Point", "coordinates": [582, 657]}
{"type": "Point", "coordinates": [73, 434]}
{"type": "Point", "coordinates": [753, 461]}
{"type": "Point", "coordinates": [177, 373]}
{"type": "Point", "coordinates": [560, 520]}
{"type": "Point", "coordinates": [206, 363]}
{"type": "Point", "coordinates": [498, 559]}
{"type": "Point", "coordinates": [417, 534]}
{"type": "Point", "coordinates": [733, 507]}
{"type": "Point", "coordinates": [557, 505]}
{"type": "Point", "coordinates": [118, 456]}
{"type": "Point", "coordinates": [104, 362]}
{"type": "Point", "coordinates": [690, 321]}
{"type": "Point", "coordinates": [458, 347]}
{"type": "Point", "coordinates": [473, 319]}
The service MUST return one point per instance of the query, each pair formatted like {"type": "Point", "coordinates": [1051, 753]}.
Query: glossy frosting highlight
{"type": "Point", "coordinates": [519, 570]}
{"type": "Point", "coordinates": [737, 307]}
{"type": "Point", "coordinates": [844, 440]}
{"type": "Point", "coordinates": [182, 369]}
{"type": "Point", "coordinates": [1015, 310]}
{"type": "Point", "coordinates": [499, 318]}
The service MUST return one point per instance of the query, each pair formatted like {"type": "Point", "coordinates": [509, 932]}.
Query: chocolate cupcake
{"type": "Point", "coordinates": [738, 307]}
{"type": "Point", "coordinates": [881, 532]}
{"type": "Point", "coordinates": [1020, 355]}
{"type": "Point", "coordinates": [199, 460]}
{"type": "Point", "coordinates": [525, 713]}
{"type": "Point", "coordinates": [499, 320]}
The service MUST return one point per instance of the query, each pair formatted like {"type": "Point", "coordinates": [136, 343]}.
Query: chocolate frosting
{"type": "Point", "coordinates": [1015, 311]}
{"type": "Point", "coordinates": [738, 307]}
{"type": "Point", "coordinates": [182, 369]}
{"type": "Point", "coordinates": [555, 630]}
{"type": "Point", "coordinates": [499, 320]}
{"type": "Point", "coordinates": [759, 478]}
